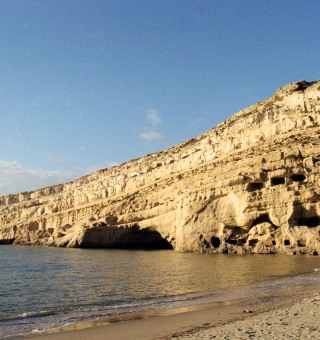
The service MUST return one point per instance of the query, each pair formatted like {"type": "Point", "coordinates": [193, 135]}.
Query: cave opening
{"type": "Point", "coordinates": [261, 219]}
{"type": "Point", "coordinates": [303, 216]}
{"type": "Point", "coordinates": [232, 241]}
{"type": "Point", "coordinates": [278, 180]}
{"type": "Point", "coordinates": [7, 241]}
{"type": "Point", "coordinates": [241, 241]}
{"type": "Point", "coordinates": [310, 222]}
{"type": "Point", "coordinates": [298, 178]}
{"type": "Point", "coordinates": [125, 237]}
{"type": "Point", "coordinates": [254, 186]}
{"type": "Point", "coordinates": [215, 241]}
{"type": "Point", "coordinates": [253, 242]}
{"type": "Point", "coordinates": [234, 235]}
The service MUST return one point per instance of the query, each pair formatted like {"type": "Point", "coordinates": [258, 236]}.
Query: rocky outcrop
{"type": "Point", "coordinates": [250, 185]}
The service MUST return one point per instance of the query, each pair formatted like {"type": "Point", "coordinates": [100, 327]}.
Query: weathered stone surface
{"type": "Point", "coordinates": [250, 185]}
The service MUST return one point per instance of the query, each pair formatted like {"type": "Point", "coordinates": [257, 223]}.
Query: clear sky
{"type": "Point", "coordinates": [86, 84]}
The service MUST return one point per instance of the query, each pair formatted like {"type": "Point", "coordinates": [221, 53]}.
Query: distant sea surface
{"type": "Point", "coordinates": [45, 288]}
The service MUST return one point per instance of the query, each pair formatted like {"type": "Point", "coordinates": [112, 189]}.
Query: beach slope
{"type": "Point", "coordinates": [292, 312]}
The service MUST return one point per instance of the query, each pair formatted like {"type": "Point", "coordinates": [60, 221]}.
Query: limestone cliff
{"type": "Point", "coordinates": [250, 185]}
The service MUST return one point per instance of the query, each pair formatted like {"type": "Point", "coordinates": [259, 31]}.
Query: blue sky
{"type": "Point", "coordinates": [88, 84]}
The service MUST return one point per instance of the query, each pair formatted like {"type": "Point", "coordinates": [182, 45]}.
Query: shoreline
{"type": "Point", "coordinates": [193, 322]}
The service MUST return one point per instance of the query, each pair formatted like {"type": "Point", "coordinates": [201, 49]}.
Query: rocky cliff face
{"type": "Point", "coordinates": [250, 185]}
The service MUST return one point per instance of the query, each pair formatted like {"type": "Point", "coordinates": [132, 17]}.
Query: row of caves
{"type": "Point", "coordinates": [274, 181]}
{"type": "Point", "coordinates": [215, 242]}
{"type": "Point", "coordinates": [237, 236]}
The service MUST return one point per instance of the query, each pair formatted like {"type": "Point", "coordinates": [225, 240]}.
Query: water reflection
{"type": "Point", "coordinates": [49, 279]}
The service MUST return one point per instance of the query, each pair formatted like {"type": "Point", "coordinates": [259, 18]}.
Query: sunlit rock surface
{"type": "Point", "coordinates": [250, 185]}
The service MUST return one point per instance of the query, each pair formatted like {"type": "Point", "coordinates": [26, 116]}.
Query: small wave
{"type": "Point", "coordinates": [28, 315]}
{"type": "Point", "coordinates": [37, 314]}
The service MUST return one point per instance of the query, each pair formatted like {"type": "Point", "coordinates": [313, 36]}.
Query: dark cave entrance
{"type": "Point", "coordinates": [310, 222]}
{"type": "Point", "coordinates": [125, 237]}
{"type": "Point", "coordinates": [215, 241]}
{"type": "Point", "coordinates": [146, 239]}
{"type": "Point", "coordinates": [303, 216]}
{"type": "Point", "coordinates": [298, 178]}
{"type": "Point", "coordinates": [261, 219]}
{"type": "Point", "coordinates": [254, 186]}
{"type": "Point", "coordinates": [277, 181]}
{"type": "Point", "coordinates": [7, 241]}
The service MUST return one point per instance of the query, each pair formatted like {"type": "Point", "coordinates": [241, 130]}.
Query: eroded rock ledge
{"type": "Point", "coordinates": [250, 185]}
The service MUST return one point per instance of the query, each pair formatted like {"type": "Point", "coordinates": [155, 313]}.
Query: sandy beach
{"type": "Point", "coordinates": [299, 321]}
{"type": "Point", "coordinates": [286, 313]}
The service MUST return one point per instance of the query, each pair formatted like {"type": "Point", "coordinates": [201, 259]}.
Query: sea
{"type": "Point", "coordinates": [44, 288]}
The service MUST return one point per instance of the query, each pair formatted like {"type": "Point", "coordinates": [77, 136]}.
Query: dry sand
{"type": "Point", "coordinates": [287, 313]}
{"type": "Point", "coordinates": [299, 321]}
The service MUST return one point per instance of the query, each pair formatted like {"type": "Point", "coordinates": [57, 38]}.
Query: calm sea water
{"type": "Point", "coordinates": [45, 288]}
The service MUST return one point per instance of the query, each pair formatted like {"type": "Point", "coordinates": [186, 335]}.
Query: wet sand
{"type": "Point", "coordinates": [291, 312]}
